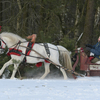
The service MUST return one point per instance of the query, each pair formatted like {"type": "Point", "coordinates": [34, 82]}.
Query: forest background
{"type": "Point", "coordinates": [59, 22]}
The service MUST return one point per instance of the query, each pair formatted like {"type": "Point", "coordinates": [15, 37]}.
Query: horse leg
{"type": "Point", "coordinates": [14, 71]}
{"type": "Point", "coordinates": [64, 73]}
{"type": "Point", "coordinates": [47, 70]}
{"type": "Point", "coordinates": [5, 65]}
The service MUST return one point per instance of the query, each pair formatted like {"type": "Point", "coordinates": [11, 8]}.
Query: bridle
{"type": "Point", "coordinates": [2, 44]}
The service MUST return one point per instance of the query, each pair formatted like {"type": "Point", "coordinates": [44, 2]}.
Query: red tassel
{"type": "Point", "coordinates": [91, 58]}
{"type": "Point", "coordinates": [47, 61]}
{"type": "Point", "coordinates": [39, 64]}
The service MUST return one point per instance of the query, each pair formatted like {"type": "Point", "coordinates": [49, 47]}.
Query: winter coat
{"type": "Point", "coordinates": [96, 50]}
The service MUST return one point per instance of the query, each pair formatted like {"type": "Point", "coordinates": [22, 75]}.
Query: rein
{"type": "Point", "coordinates": [52, 48]}
{"type": "Point", "coordinates": [26, 47]}
{"type": "Point", "coordinates": [17, 44]}
{"type": "Point", "coordinates": [17, 48]}
{"type": "Point", "coordinates": [3, 41]}
{"type": "Point", "coordinates": [48, 47]}
{"type": "Point", "coordinates": [38, 44]}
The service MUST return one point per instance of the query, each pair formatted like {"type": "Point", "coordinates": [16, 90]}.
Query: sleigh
{"type": "Point", "coordinates": [90, 69]}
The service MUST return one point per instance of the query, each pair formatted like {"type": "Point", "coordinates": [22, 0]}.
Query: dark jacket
{"type": "Point", "coordinates": [96, 50]}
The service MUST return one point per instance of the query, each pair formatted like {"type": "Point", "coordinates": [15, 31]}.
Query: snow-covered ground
{"type": "Point", "coordinates": [85, 88]}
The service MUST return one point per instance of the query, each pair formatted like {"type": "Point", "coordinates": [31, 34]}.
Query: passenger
{"type": "Point", "coordinates": [95, 49]}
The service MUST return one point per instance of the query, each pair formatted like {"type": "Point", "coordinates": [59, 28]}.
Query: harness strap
{"type": "Point", "coordinates": [47, 49]}
{"type": "Point", "coordinates": [13, 51]}
{"type": "Point", "coordinates": [28, 50]}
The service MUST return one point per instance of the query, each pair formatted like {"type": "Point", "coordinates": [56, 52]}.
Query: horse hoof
{"type": "Point", "coordinates": [41, 78]}
{"type": "Point", "coordinates": [12, 78]}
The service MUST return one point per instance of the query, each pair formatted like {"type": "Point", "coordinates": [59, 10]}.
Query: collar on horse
{"type": "Point", "coordinates": [15, 50]}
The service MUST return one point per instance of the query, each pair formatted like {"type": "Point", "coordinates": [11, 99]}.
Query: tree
{"type": "Point", "coordinates": [0, 12]}
{"type": "Point", "coordinates": [89, 24]}
{"type": "Point", "coordinates": [55, 21]}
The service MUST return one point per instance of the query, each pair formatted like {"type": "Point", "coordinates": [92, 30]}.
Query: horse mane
{"type": "Point", "coordinates": [13, 37]}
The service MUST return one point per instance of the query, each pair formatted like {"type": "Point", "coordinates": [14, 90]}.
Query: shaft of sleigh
{"type": "Point", "coordinates": [73, 72]}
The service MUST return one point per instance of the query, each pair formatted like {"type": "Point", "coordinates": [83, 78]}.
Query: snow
{"type": "Point", "coordinates": [82, 88]}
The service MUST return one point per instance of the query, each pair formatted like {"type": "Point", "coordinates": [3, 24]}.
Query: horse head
{"type": "Point", "coordinates": [8, 39]}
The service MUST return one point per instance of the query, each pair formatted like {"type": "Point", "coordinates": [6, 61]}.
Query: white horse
{"type": "Point", "coordinates": [10, 39]}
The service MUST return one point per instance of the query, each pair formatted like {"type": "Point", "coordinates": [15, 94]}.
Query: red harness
{"type": "Point", "coordinates": [40, 63]}
{"type": "Point", "coordinates": [28, 53]}
{"type": "Point", "coordinates": [91, 58]}
{"type": "Point", "coordinates": [14, 51]}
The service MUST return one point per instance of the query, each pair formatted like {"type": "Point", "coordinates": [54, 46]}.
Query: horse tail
{"type": "Point", "coordinates": [64, 58]}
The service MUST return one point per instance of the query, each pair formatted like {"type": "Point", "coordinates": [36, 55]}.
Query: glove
{"type": "Point", "coordinates": [87, 49]}
{"type": "Point", "coordinates": [88, 45]}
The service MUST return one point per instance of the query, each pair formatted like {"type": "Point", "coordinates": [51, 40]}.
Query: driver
{"type": "Point", "coordinates": [95, 49]}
